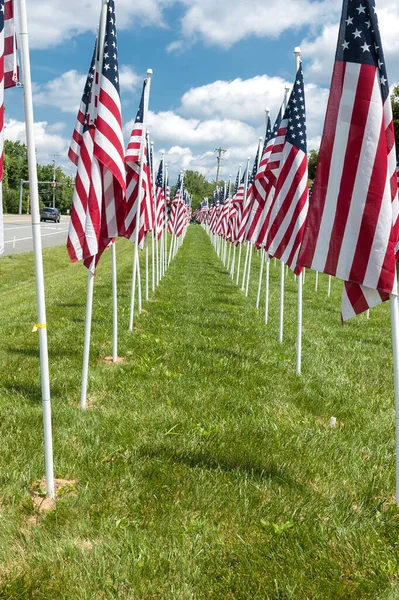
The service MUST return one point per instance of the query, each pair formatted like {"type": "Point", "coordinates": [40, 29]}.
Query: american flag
{"type": "Point", "coordinates": [173, 209]}
{"type": "Point", "coordinates": [98, 210]}
{"type": "Point", "coordinates": [237, 204]}
{"type": "Point", "coordinates": [183, 215]}
{"type": "Point", "coordinates": [149, 213]}
{"type": "Point", "coordinates": [137, 151]}
{"type": "Point", "coordinates": [248, 201]}
{"type": "Point", "coordinates": [202, 211]}
{"type": "Point", "coordinates": [263, 185]}
{"type": "Point", "coordinates": [268, 133]}
{"type": "Point", "coordinates": [214, 215]}
{"type": "Point", "coordinates": [9, 76]}
{"type": "Point", "coordinates": [290, 201]}
{"type": "Point", "coordinates": [160, 200]}
{"type": "Point", "coordinates": [352, 231]}
{"type": "Point", "coordinates": [83, 113]}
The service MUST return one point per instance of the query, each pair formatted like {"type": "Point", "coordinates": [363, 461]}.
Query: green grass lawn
{"type": "Point", "coordinates": [206, 468]}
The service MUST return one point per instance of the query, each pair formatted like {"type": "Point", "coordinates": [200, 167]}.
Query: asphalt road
{"type": "Point", "coordinates": [18, 233]}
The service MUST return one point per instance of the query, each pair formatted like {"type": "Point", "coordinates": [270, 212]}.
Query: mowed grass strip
{"type": "Point", "coordinates": [205, 469]}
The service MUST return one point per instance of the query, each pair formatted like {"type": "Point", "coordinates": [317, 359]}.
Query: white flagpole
{"type": "Point", "coordinates": [395, 347]}
{"type": "Point", "coordinates": [281, 326]}
{"type": "Point", "coordinates": [282, 280]}
{"type": "Point", "coordinates": [86, 347]}
{"type": "Point", "coordinates": [139, 296]}
{"type": "Point", "coordinates": [249, 267]}
{"type": "Point", "coordinates": [267, 289]}
{"type": "Point", "coordinates": [114, 306]}
{"type": "Point", "coordinates": [316, 285]}
{"type": "Point", "coordinates": [146, 267]}
{"type": "Point", "coordinates": [262, 263]}
{"type": "Point", "coordinates": [329, 286]}
{"type": "Point", "coordinates": [299, 332]}
{"type": "Point", "coordinates": [136, 265]}
{"type": "Point", "coordinates": [133, 290]}
{"type": "Point", "coordinates": [37, 245]}
{"type": "Point", "coordinates": [248, 244]}
{"type": "Point", "coordinates": [233, 262]}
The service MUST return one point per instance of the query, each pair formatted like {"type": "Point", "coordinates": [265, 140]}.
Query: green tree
{"type": "Point", "coordinates": [198, 187]}
{"type": "Point", "coordinates": [312, 164]}
{"type": "Point", "coordinates": [395, 110]}
{"type": "Point", "coordinates": [16, 168]}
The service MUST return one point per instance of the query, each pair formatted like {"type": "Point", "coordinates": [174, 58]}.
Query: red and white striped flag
{"type": "Point", "coordinates": [160, 200]}
{"type": "Point", "coordinates": [98, 210]}
{"type": "Point", "coordinates": [9, 77]}
{"type": "Point", "coordinates": [137, 149]}
{"type": "Point", "coordinates": [175, 207]}
{"type": "Point", "coordinates": [264, 182]}
{"type": "Point", "coordinates": [290, 202]}
{"type": "Point", "coordinates": [237, 204]}
{"type": "Point", "coordinates": [246, 209]}
{"type": "Point", "coordinates": [352, 226]}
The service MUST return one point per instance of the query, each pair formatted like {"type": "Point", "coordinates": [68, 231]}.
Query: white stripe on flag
{"type": "Point", "coordinates": [337, 165]}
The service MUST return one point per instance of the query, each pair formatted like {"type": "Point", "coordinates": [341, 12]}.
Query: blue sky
{"type": "Point", "coordinates": [217, 66]}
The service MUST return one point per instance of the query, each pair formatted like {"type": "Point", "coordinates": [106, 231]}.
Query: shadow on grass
{"type": "Point", "coordinates": [240, 354]}
{"type": "Point", "coordinates": [70, 304]}
{"type": "Point", "coordinates": [35, 352]}
{"type": "Point", "coordinates": [30, 391]}
{"type": "Point", "coordinates": [228, 464]}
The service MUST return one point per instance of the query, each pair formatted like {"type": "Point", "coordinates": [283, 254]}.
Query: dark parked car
{"type": "Point", "coordinates": [50, 214]}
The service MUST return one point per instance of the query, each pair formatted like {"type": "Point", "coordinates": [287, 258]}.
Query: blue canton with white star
{"type": "Point", "coordinates": [276, 126]}
{"type": "Point", "coordinates": [140, 112]}
{"type": "Point", "coordinates": [110, 61]}
{"type": "Point", "coordinates": [237, 183]}
{"type": "Point", "coordinates": [254, 168]}
{"type": "Point", "coordinates": [159, 181]}
{"type": "Point", "coordinates": [268, 132]}
{"type": "Point", "coordinates": [359, 38]}
{"type": "Point", "coordinates": [296, 114]}
{"type": "Point", "coordinates": [88, 89]}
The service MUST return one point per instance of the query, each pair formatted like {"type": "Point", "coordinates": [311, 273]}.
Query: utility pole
{"type": "Point", "coordinates": [219, 151]}
{"type": "Point", "coordinates": [54, 183]}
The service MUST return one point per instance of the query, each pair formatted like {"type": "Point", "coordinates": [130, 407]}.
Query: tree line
{"type": "Point", "coordinates": [16, 168]}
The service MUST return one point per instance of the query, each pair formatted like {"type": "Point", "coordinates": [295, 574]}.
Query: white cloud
{"type": "Point", "coordinates": [48, 140]}
{"type": "Point", "coordinates": [238, 99]}
{"type": "Point", "coordinates": [245, 101]}
{"type": "Point", "coordinates": [226, 22]}
{"type": "Point", "coordinates": [169, 127]}
{"type": "Point", "coordinates": [52, 22]}
{"type": "Point", "coordinates": [64, 92]}
{"type": "Point", "coordinates": [231, 115]}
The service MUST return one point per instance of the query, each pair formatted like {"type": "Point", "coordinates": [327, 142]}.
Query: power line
{"type": "Point", "coordinates": [219, 151]}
